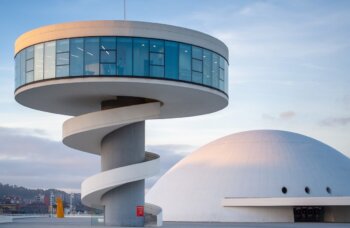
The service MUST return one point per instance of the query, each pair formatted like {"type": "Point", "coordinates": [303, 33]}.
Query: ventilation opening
{"type": "Point", "coordinates": [307, 190]}
{"type": "Point", "coordinates": [329, 190]}
{"type": "Point", "coordinates": [284, 190]}
{"type": "Point", "coordinates": [308, 214]}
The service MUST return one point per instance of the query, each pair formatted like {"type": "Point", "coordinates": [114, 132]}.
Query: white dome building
{"type": "Point", "coordinates": [257, 176]}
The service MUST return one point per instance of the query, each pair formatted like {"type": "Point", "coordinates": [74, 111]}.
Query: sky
{"type": "Point", "coordinates": [289, 70]}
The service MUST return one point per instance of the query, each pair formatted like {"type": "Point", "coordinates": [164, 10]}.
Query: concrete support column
{"type": "Point", "coordinates": [123, 147]}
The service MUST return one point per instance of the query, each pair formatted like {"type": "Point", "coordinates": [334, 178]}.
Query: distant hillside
{"type": "Point", "coordinates": [26, 193]}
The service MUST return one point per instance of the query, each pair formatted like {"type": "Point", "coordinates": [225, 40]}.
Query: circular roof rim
{"type": "Point", "coordinates": [120, 28]}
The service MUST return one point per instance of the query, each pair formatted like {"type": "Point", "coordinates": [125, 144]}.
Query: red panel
{"type": "Point", "coordinates": [140, 211]}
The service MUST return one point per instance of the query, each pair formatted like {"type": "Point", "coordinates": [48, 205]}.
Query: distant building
{"type": "Point", "coordinates": [257, 176]}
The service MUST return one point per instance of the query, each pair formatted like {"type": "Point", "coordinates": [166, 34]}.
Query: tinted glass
{"type": "Point", "coordinates": [39, 62]}
{"type": "Point", "coordinates": [108, 43]}
{"type": "Point", "coordinates": [157, 58]}
{"type": "Point", "coordinates": [157, 71]}
{"type": "Point", "coordinates": [17, 70]}
{"type": "Point", "coordinates": [185, 62]}
{"type": "Point", "coordinates": [62, 58]}
{"type": "Point", "coordinates": [207, 66]}
{"type": "Point", "coordinates": [157, 46]}
{"type": "Point", "coordinates": [30, 65]}
{"type": "Point", "coordinates": [30, 52]}
{"type": "Point", "coordinates": [62, 45]}
{"type": "Point", "coordinates": [29, 76]}
{"type": "Point", "coordinates": [171, 60]}
{"type": "Point", "coordinates": [141, 54]}
{"type": "Point", "coordinates": [76, 57]}
{"type": "Point", "coordinates": [108, 69]}
{"type": "Point", "coordinates": [197, 65]}
{"type": "Point", "coordinates": [50, 59]}
{"type": "Point", "coordinates": [108, 56]}
{"type": "Point", "coordinates": [197, 77]}
{"type": "Point", "coordinates": [124, 56]}
{"type": "Point", "coordinates": [92, 56]}
{"type": "Point", "coordinates": [23, 67]}
{"type": "Point", "coordinates": [197, 53]}
{"type": "Point", "coordinates": [215, 70]}
{"type": "Point", "coordinates": [62, 71]}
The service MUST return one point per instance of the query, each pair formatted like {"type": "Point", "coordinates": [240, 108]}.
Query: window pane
{"type": "Point", "coordinates": [39, 62]}
{"type": "Point", "coordinates": [197, 77]}
{"type": "Point", "coordinates": [197, 53]}
{"type": "Point", "coordinates": [171, 60]}
{"type": "Point", "coordinates": [29, 52]}
{"type": "Point", "coordinates": [197, 65]}
{"type": "Point", "coordinates": [222, 62]}
{"type": "Point", "coordinates": [62, 71]}
{"type": "Point", "coordinates": [141, 61]}
{"type": "Point", "coordinates": [62, 58]}
{"type": "Point", "coordinates": [108, 43]}
{"type": "Point", "coordinates": [17, 70]}
{"type": "Point", "coordinates": [92, 54]}
{"type": "Point", "coordinates": [222, 74]}
{"type": "Point", "coordinates": [76, 57]}
{"type": "Point", "coordinates": [23, 67]}
{"type": "Point", "coordinates": [207, 65]}
{"type": "Point", "coordinates": [157, 46]}
{"type": "Point", "coordinates": [215, 69]}
{"type": "Point", "coordinates": [62, 45]}
{"type": "Point", "coordinates": [108, 69]}
{"type": "Point", "coordinates": [124, 58]}
{"type": "Point", "coordinates": [50, 60]}
{"type": "Point", "coordinates": [30, 65]}
{"type": "Point", "coordinates": [29, 76]}
{"type": "Point", "coordinates": [108, 56]}
{"type": "Point", "coordinates": [157, 59]}
{"type": "Point", "coordinates": [185, 62]}
{"type": "Point", "coordinates": [157, 71]}
{"type": "Point", "coordinates": [221, 85]}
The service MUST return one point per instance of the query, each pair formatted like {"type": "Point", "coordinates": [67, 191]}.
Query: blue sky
{"type": "Point", "coordinates": [289, 70]}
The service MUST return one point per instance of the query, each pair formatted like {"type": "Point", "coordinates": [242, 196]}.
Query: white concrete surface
{"type": "Point", "coordinates": [253, 164]}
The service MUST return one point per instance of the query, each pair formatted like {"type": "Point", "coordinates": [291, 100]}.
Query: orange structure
{"type": "Point", "coordinates": [59, 210]}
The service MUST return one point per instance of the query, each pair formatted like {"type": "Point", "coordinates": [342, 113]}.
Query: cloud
{"type": "Point", "coordinates": [287, 115]}
{"type": "Point", "coordinates": [335, 121]}
{"type": "Point", "coordinates": [37, 162]}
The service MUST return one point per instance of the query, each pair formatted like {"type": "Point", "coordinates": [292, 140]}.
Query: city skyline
{"type": "Point", "coordinates": [288, 71]}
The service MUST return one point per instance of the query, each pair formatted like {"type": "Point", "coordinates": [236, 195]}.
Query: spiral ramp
{"type": "Point", "coordinates": [86, 133]}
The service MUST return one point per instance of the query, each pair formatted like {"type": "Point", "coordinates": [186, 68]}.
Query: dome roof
{"type": "Point", "coordinates": [250, 164]}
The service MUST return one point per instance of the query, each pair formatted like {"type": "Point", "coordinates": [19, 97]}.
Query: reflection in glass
{"type": "Point", "coordinates": [124, 58]}
{"type": "Point", "coordinates": [185, 62]}
{"type": "Point", "coordinates": [23, 67]}
{"type": "Point", "coordinates": [92, 56]}
{"type": "Point", "coordinates": [50, 60]}
{"type": "Point", "coordinates": [108, 56]}
{"type": "Point", "coordinates": [141, 54]}
{"type": "Point", "coordinates": [108, 69]}
{"type": "Point", "coordinates": [197, 77]}
{"type": "Point", "coordinates": [62, 71]}
{"type": "Point", "coordinates": [157, 46]}
{"type": "Point", "coordinates": [30, 65]}
{"type": "Point", "coordinates": [29, 76]}
{"type": "Point", "coordinates": [17, 70]}
{"type": "Point", "coordinates": [108, 43]}
{"type": "Point", "coordinates": [29, 53]}
{"type": "Point", "coordinates": [62, 58]}
{"type": "Point", "coordinates": [197, 53]}
{"type": "Point", "coordinates": [197, 65]}
{"type": "Point", "coordinates": [39, 62]}
{"type": "Point", "coordinates": [207, 65]}
{"type": "Point", "coordinates": [171, 60]}
{"type": "Point", "coordinates": [62, 46]}
{"type": "Point", "coordinates": [157, 58]}
{"type": "Point", "coordinates": [76, 57]}
{"type": "Point", "coordinates": [157, 71]}
{"type": "Point", "coordinates": [215, 69]}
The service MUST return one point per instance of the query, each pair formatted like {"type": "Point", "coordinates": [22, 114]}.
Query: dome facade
{"type": "Point", "coordinates": [254, 176]}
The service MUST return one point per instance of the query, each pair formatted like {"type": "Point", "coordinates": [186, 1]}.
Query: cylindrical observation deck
{"type": "Point", "coordinates": [112, 76]}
